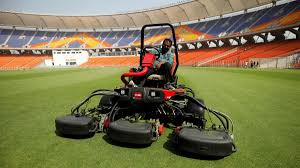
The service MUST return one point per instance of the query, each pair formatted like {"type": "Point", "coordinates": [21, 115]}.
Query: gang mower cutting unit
{"type": "Point", "coordinates": [138, 112]}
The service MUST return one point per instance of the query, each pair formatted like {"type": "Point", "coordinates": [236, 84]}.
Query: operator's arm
{"type": "Point", "coordinates": [173, 66]}
{"type": "Point", "coordinates": [170, 58]}
{"type": "Point", "coordinates": [156, 63]}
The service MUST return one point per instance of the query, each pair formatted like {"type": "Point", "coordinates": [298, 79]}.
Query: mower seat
{"type": "Point", "coordinates": [156, 77]}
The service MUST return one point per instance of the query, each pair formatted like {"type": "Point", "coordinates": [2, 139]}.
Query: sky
{"type": "Point", "coordinates": [80, 7]}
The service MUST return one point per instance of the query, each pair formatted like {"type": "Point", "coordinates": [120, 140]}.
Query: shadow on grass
{"type": "Point", "coordinates": [74, 136]}
{"type": "Point", "coordinates": [170, 145]}
{"type": "Point", "coordinates": [123, 144]}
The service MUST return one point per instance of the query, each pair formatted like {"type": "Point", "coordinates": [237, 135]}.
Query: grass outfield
{"type": "Point", "coordinates": [264, 105]}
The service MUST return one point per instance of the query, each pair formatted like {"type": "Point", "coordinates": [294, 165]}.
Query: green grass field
{"type": "Point", "coordinates": [264, 105]}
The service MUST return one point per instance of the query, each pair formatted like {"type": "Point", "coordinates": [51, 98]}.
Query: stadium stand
{"type": "Point", "coordinates": [274, 17]}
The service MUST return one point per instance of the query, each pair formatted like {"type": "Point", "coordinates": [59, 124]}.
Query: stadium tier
{"type": "Point", "coordinates": [238, 55]}
{"type": "Point", "coordinates": [222, 56]}
{"type": "Point", "coordinates": [234, 56]}
{"type": "Point", "coordinates": [274, 17]}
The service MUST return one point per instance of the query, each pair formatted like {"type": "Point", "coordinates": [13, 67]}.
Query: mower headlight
{"type": "Point", "coordinates": [152, 94]}
{"type": "Point", "coordinates": [122, 92]}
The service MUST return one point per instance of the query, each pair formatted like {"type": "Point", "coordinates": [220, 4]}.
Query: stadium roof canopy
{"type": "Point", "coordinates": [181, 12]}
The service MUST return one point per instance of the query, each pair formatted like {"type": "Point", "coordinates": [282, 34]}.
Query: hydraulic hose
{"type": "Point", "coordinates": [102, 90]}
{"type": "Point", "coordinates": [215, 113]}
{"type": "Point", "coordinates": [89, 97]}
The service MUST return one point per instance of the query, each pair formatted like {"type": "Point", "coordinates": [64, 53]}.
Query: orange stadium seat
{"type": "Point", "coordinates": [193, 57]}
{"type": "Point", "coordinates": [5, 60]}
{"type": "Point", "coordinates": [20, 62]}
{"type": "Point", "coordinates": [273, 49]}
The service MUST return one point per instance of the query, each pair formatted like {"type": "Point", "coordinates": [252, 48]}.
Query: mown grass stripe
{"type": "Point", "coordinates": [264, 105]}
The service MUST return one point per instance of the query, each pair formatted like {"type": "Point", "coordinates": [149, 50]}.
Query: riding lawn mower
{"type": "Point", "coordinates": [138, 112]}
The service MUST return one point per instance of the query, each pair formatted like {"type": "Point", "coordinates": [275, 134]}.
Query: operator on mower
{"type": "Point", "coordinates": [164, 65]}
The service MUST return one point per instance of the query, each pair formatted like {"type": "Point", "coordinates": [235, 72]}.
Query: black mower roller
{"type": "Point", "coordinates": [75, 125]}
{"type": "Point", "coordinates": [130, 132]}
{"type": "Point", "coordinates": [205, 142]}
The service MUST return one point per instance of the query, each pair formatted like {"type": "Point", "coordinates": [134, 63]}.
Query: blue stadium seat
{"type": "Point", "coordinates": [39, 37]}
{"type": "Point", "coordinates": [277, 12]}
{"type": "Point", "coordinates": [4, 34]}
{"type": "Point", "coordinates": [75, 44]}
{"type": "Point", "coordinates": [223, 25]}
{"type": "Point", "coordinates": [20, 38]}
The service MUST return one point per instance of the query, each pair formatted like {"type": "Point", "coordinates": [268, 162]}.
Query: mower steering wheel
{"type": "Point", "coordinates": [146, 50]}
